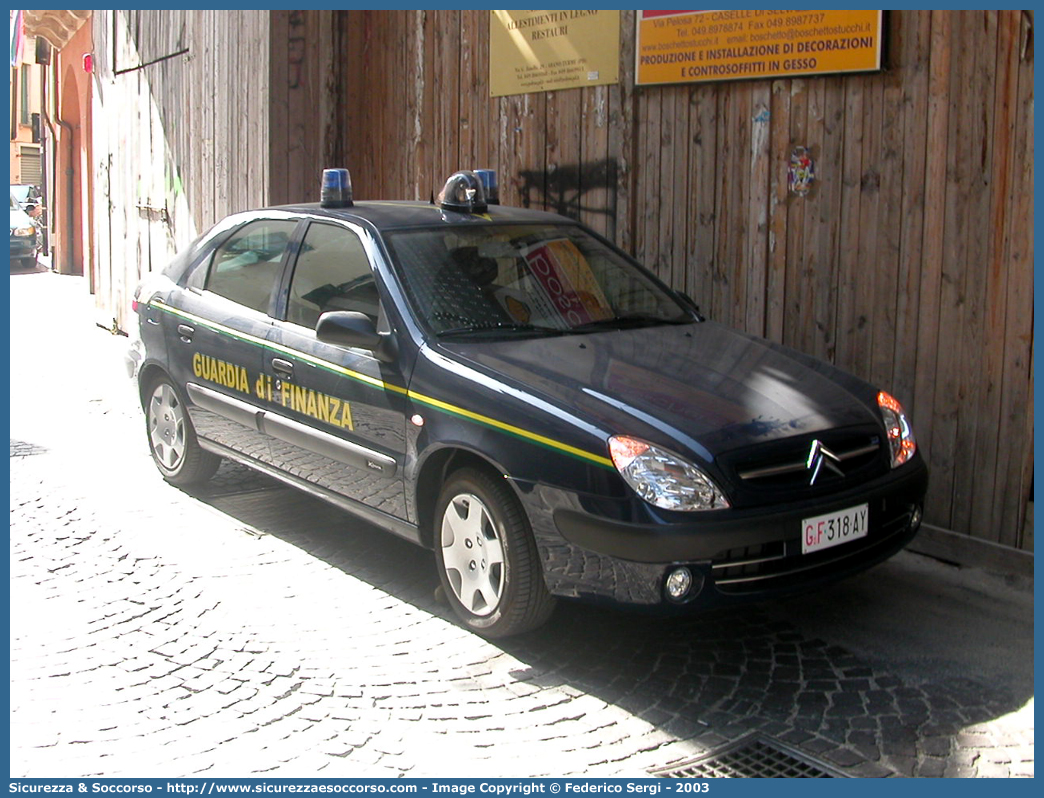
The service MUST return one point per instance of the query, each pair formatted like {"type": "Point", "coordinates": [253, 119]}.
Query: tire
{"type": "Point", "coordinates": [172, 438]}
{"type": "Point", "coordinates": [28, 263]}
{"type": "Point", "coordinates": [487, 560]}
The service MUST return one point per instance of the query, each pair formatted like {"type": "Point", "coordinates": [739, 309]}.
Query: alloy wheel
{"type": "Point", "coordinates": [167, 426]}
{"type": "Point", "coordinates": [472, 554]}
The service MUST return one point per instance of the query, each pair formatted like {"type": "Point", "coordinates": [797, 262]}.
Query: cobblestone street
{"type": "Point", "coordinates": [247, 630]}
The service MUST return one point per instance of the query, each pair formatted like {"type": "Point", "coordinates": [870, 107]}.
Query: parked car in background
{"type": "Point", "coordinates": [509, 389]}
{"type": "Point", "coordinates": [23, 236]}
{"type": "Point", "coordinates": [29, 198]}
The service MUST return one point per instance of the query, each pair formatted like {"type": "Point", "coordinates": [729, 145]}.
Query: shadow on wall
{"type": "Point", "coordinates": [572, 190]}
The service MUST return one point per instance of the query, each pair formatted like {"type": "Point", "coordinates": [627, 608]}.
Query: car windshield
{"type": "Point", "coordinates": [550, 279]}
{"type": "Point", "coordinates": [14, 203]}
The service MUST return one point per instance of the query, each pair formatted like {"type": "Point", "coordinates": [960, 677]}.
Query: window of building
{"type": "Point", "coordinates": [23, 109]}
{"type": "Point", "coordinates": [31, 173]}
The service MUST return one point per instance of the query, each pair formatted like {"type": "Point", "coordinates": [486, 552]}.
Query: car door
{"type": "Point", "coordinates": [217, 329]}
{"type": "Point", "coordinates": [336, 415]}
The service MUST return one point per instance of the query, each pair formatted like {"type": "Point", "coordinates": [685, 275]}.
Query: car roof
{"type": "Point", "coordinates": [396, 215]}
{"type": "Point", "coordinates": [382, 216]}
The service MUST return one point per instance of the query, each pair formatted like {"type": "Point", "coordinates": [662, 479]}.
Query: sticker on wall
{"type": "Point", "coordinates": [802, 171]}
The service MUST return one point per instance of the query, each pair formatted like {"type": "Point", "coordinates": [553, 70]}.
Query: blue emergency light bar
{"type": "Point", "coordinates": [336, 191]}
{"type": "Point", "coordinates": [489, 183]}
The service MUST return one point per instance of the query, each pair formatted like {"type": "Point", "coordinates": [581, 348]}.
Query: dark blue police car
{"type": "Point", "coordinates": [509, 389]}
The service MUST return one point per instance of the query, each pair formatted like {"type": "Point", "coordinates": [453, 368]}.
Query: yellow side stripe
{"type": "Point", "coordinates": [266, 344]}
{"type": "Point", "coordinates": [388, 386]}
{"type": "Point", "coordinates": [518, 431]}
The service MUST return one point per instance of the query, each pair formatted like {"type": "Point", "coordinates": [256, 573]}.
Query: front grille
{"type": "Point", "coordinates": [754, 568]}
{"type": "Point", "coordinates": [777, 471]}
{"type": "Point", "coordinates": [787, 467]}
{"type": "Point", "coordinates": [753, 757]}
{"type": "Point", "coordinates": [749, 562]}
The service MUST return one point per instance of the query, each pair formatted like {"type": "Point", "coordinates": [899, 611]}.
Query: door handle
{"type": "Point", "coordinates": [186, 332]}
{"type": "Point", "coordinates": [282, 367]}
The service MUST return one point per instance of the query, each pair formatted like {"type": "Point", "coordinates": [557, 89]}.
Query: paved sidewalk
{"type": "Point", "coordinates": [249, 630]}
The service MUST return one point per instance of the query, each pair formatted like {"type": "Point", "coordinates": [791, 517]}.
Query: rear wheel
{"type": "Point", "coordinates": [488, 562]}
{"type": "Point", "coordinates": [172, 438]}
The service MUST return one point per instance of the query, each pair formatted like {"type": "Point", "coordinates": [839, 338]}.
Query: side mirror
{"type": "Point", "coordinates": [351, 328]}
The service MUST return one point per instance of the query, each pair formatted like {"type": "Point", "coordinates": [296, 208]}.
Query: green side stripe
{"type": "Point", "coordinates": [437, 404]}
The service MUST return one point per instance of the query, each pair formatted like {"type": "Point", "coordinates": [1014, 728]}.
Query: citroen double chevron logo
{"type": "Point", "coordinates": [819, 458]}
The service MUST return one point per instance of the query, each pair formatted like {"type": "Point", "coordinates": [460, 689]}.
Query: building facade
{"type": "Point", "coordinates": [61, 54]}
{"type": "Point", "coordinates": [27, 76]}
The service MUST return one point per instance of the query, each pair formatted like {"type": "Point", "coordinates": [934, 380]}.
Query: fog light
{"type": "Point", "coordinates": [679, 582]}
{"type": "Point", "coordinates": [915, 518]}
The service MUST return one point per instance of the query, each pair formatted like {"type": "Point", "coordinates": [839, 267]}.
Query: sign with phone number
{"type": "Point", "coordinates": [699, 46]}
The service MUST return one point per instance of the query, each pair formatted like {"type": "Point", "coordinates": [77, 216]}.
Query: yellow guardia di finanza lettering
{"type": "Point", "coordinates": [328, 409]}
{"type": "Point", "coordinates": [227, 374]}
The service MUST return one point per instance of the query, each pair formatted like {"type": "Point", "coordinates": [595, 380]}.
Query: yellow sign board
{"type": "Point", "coordinates": [546, 50]}
{"type": "Point", "coordinates": [695, 46]}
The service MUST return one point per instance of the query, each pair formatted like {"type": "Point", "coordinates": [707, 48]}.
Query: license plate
{"type": "Point", "coordinates": [833, 529]}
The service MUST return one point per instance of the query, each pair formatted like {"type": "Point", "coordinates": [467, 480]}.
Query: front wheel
{"type": "Point", "coordinates": [488, 562]}
{"type": "Point", "coordinates": [172, 438]}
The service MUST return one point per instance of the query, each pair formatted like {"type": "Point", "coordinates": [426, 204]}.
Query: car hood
{"type": "Point", "coordinates": [703, 387]}
{"type": "Point", "coordinates": [20, 218]}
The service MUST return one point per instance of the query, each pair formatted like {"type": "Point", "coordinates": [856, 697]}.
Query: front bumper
{"type": "Point", "coordinates": [23, 247]}
{"type": "Point", "coordinates": [734, 555]}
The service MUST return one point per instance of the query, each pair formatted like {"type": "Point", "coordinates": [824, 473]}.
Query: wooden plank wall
{"type": "Point", "coordinates": [301, 115]}
{"type": "Point", "coordinates": [177, 142]}
{"type": "Point", "coordinates": [909, 264]}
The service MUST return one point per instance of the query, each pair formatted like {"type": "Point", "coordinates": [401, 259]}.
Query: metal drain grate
{"type": "Point", "coordinates": [753, 757]}
{"type": "Point", "coordinates": [23, 449]}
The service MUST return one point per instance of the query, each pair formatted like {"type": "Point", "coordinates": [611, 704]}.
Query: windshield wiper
{"type": "Point", "coordinates": [626, 321]}
{"type": "Point", "coordinates": [498, 328]}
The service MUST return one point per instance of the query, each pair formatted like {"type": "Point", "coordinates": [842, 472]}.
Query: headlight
{"type": "Point", "coordinates": [23, 231]}
{"type": "Point", "coordinates": [663, 479]}
{"type": "Point", "coordinates": [901, 439]}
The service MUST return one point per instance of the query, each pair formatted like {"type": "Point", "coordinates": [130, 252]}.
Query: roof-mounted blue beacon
{"type": "Point", "coordinates": [336, 190]}
{"type": "Point", "coordinates": [489, 183]}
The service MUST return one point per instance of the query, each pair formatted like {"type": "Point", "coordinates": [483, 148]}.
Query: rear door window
{"type": "Point", "coordinates": [247, 266]}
